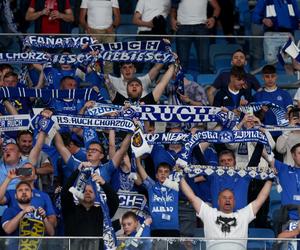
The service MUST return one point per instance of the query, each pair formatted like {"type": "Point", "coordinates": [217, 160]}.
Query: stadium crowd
{"type": "Point", "coordinates": [44, 171]}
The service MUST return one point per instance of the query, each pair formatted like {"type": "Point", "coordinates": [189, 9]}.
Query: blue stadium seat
{"type": "Point", "coordinates": [189, 77]}
{"type": "Point", "coordinates": [260, 233]}
{"type": "Point", "coordinates": [126, 29]}
{"type": "Point", "coordinates": [205, 79]}
{"type": "Point", "coordinates": [222, 61]}
{"type": "Point", "coordinates": [221, 49]}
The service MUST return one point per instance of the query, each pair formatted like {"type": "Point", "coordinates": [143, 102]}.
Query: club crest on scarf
{"type": "Point", "coordinates": [137, 140]}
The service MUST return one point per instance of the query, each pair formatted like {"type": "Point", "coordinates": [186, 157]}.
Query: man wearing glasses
{"type": "Point", "coordinates": [95, 155]}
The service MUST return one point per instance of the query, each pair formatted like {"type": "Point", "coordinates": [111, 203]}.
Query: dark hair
{"type": "Point", "coordinates": [24, 132]}
{"type": "Point", "coordinates": [67, 78]}
{"type": "Point", "coordinates": [6, 66]}
{"type": "Point", "coordinates": [294, 148]}
{"type": "Point", "coordinates": [238, 72]}
{"type": "Point", "coordinates": [23, 183]}
{"type": "Point", "coordinates": [9, 74]}
{"type": "Point", "coordinates": [98, 143]}
{"type": "Point", "coordinates": [239, 50]}
{"type": "Point", "coordinates": [269, 69]}
{"type": "Point", "coordinates": [227, 152]}
{"type": "Point", "coordinates": [121, 64]}
{"type": "Point", "coordinates": [66, 50]}
{"type": "Point", "coordinates": [135, 80]}
{"type": "Point", "coordinates": [293, 110]}
{"type": "Point", "coordinates": [164, 165]}
{"type": "Point", "coordinates": [129, 214]}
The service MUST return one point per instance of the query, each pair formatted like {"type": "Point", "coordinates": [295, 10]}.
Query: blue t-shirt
{"type": "Point", "coordinates": [11, 212]}
{"type": "Point", "coordinates": [39, 199]}
{"type": "Point", "coordinates": [289, 178]}
{"type": "Point", "coordinates": [280, 97]}
{"type": "Point", "coordinates": [104, 170]}
{"type": "Point", "coordinates": [68, 107]}
{"type": "Point", "coordinates": [121, 181]}
{"type": "Point", "coordinates": [163, 203]}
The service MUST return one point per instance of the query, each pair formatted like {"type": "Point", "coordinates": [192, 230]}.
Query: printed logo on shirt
{"type": "Point", "coordinates": [279, 98]}
{"type": "Point", "coordinates": [167, 198]}
{"type": "Point", "coordinates": [159, 209]}
{"type": "Point", "coordinates": [226, 223]}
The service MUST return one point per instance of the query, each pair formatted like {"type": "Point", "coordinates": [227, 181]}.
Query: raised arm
{"type": "Point", "coordinates": [262, 196]}
{"type": "Point", "coordinates": [118, 156]}
{"type": "Point", "coordinates": [36, 150]}
{"type": "Point", "coordinates": [110, 88]}
{"type": "Point", "coordinates": [141, 170]}
{"type": "Point", "coordinates": [189, 193]}
{"type": "Point", "coordinates": [161, 86]}
{"type": "Point", "coordinates": [154, 71]}
{"type": "Point", "coordinates": [10, 108]}
{"type": "Point", "coordinates": [111, 143]}
{"type": "Point", "coordinates": [10, 175]}
{"type": "Point", "coordinates": [61, 148]}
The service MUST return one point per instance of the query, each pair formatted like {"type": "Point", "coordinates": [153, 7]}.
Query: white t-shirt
{"type": "Point", "coordinates": [99, 13]}
{"type": "Point", "coordinates": [192, 12]}
{"type": "Point", "coordinates": [152, 8]}
{"type": "Point", "coordinates": [121, 85]}
{"type": "Point", "coordinates": [218, 225]}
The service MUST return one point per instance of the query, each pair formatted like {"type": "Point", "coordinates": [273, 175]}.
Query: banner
{"type": "Point", "coordinates": [228, 136]}
{"type": "Point", "coordinates": [23, 122]}
{"type": "Point", "coordinates": [42, 42]}
{"type": "Point", "coordinates": [253, 172]}
{"type": "Point", "coordinates": [83, 94]}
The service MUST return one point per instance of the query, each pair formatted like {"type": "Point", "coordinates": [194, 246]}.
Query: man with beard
{"type": "Point", "coordinates": [38, 198]}
{"type": "Point", "coordinates": [135, 89]}
{"type": "Point", "coordinates": [13, 216]}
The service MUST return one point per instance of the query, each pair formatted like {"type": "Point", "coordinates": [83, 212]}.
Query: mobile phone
{"type": "Point", "coordinates": [24, 171]}
{"type": "Point", "coordinates": [250, 111]}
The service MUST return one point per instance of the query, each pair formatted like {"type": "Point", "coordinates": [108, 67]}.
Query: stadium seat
{"type": "Point", "coordinates": [222, 61]}
{"type": "Point", "coordinates": [221, 49]}
{"type": "Point", "coordinates": [205, 79]}
{"type": "Point", "coordinates": [126, 29]}
{"type": "Point", "coordinates": [260, 233]}
{"type": "Point", "coordinates": [189, 77]}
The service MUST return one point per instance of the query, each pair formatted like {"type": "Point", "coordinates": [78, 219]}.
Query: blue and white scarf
{"type": "Point", "coordinates": [84, 178]}
{"type": "Point", "coordinates": [83, 94]}
{"type": "Point", "coordinates": [279, 112]}
{"type": "Point", "coordinates": [42, 42]}
{"type": "Point", "coordinates": [253, 172]}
